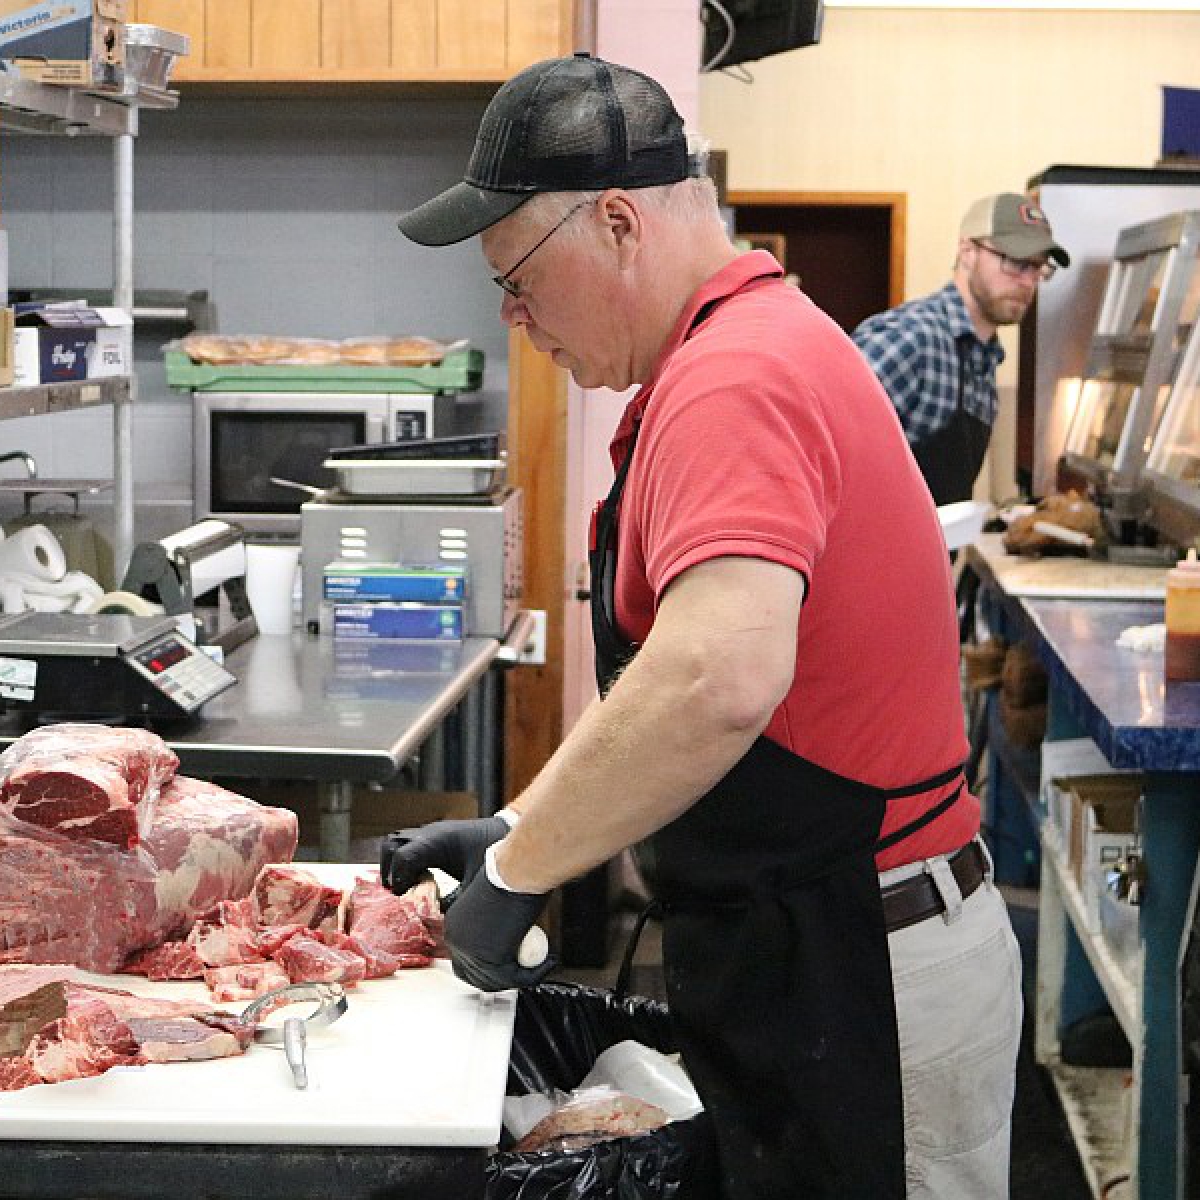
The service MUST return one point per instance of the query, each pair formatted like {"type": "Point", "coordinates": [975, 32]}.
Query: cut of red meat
{"type": "Point", "coordinates": [245, 981]}
{"type": "Point", "coordinates": [224, 945]}
{"type": "Point", "coordinates": [17, 1073]}
{"type": "Point", "coordinates": [307, 960]}
{"type": "Point", "coordinates": [93, 904]}
{"type": "Point", "coordinates": [89, 1040]}
{"type": "Point", "coordinates": [181, 1039]}
{"type": "Point", "coordinates": [171, 960]}
{"type": "Point", "coordinates": [93, 782]}
{"type": "Point", "coordinates": [91, 1029]}
{"type": "Point", "coordinates": [289, 895]}
{"type": "Point", "coordinates": [387, 923]}
{"type": "Point", "coordinates": [210, 844]}
{"type": "Point", "coordinates": [75, 902]}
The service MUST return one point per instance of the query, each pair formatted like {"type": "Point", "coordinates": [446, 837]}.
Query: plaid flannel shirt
{"type": "Point", "coordinates": [914, 351]}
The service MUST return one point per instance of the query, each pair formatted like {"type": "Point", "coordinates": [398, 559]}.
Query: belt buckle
{"type": "Point", "coordinates": [940, 871]}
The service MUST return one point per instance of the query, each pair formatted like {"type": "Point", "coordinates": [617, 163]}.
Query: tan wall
{"type": "Point", "coordinates": [946, 106]}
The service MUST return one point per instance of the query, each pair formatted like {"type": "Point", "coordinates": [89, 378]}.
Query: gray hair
{"type": "Point", "coordinates": [690, 200]}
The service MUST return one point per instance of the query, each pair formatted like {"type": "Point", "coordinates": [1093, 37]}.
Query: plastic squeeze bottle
{"type": "Point", "coordinates": [1182, 660]}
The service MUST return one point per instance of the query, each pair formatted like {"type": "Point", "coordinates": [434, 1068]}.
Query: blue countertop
{"type": "Point", "coordinates": [1119, 696]}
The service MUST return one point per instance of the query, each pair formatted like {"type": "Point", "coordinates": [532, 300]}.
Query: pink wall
{"type": "Point", "coordinates": [660, 37]}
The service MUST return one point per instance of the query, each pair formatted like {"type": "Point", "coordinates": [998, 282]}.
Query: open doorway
{"type": "Point", "coordinates": [846, 248]}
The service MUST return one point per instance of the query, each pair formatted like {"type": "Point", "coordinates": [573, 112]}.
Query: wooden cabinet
{"type": "Point", "coordinates": [346, 41]}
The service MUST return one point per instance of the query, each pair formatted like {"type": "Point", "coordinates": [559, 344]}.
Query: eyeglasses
{"type": "Point", "coordinates": [506, 281]}
{"type": "Point", "coordinates": [1016, 267]}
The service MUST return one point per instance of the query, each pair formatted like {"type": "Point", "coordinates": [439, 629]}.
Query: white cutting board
{"type": "Point", "coordinates": [419, 1059]}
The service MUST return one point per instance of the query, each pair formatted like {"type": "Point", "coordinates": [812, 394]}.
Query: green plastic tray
{"type": "Point", "coordinates": [461, 371]}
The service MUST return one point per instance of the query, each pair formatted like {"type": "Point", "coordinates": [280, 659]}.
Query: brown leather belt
{"type": "Point", "coordinates": [917, 899]}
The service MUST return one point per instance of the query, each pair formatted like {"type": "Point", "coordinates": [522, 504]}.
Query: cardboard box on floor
{"type": "Point", "coordinates": [376, 811]}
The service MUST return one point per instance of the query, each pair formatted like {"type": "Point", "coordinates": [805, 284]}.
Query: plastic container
{"type": "Point", "coordinates": [1182, 654]}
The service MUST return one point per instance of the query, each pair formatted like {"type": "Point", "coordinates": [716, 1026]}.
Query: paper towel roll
{"type": "Point", "coordinates": [215, 569]}
{"type": "Point", "coordinates": [33, 550]}
{"type": "Point", "coordinates": [125, 602]}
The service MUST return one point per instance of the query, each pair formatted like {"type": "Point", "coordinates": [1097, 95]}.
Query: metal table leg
{"type": "Point", "coordinates": [490, 798]}
{"type": "Point", "coordinates": [472, 745]}
{"type": "Point", "coordinates": [336, 801]}
{"type": "Point", "coordinates": [432, 763]}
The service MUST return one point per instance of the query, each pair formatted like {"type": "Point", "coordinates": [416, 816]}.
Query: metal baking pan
{"type": "Point", "coordinates": [477, 446]}
{"type": "Point", "coordinates": [417, 477]}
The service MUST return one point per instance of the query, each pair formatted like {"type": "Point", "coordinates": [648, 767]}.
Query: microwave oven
{"type": "Point", "coordinates": [241, 440]}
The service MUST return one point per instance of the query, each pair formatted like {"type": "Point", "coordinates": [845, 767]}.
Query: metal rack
{"type": "Point", "coordinates": [1146, 314]}
{"type": "Point", "coordinates": [32, 108]}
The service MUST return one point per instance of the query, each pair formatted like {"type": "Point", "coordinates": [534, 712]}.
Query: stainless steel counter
{"type": "Point", "coordinates": [342, 712]}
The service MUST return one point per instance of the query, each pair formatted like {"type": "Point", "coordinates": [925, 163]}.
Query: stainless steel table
{"type": "Point", "coordinates": [341, 712]}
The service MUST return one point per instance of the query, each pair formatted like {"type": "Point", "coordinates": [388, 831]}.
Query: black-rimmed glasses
{"type": "Point", "coordinates": [1016, 267]}
{"type": "Point", "coordinates": [505, 280]}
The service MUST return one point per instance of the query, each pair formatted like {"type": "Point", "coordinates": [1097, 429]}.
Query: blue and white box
{"type": "Point", "coordinates": [402, 622]}
{"type": "Point", "coordinates": [399, 583]}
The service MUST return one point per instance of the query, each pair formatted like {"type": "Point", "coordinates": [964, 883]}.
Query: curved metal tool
{"type": "Point", "coordinates": [330, 999]}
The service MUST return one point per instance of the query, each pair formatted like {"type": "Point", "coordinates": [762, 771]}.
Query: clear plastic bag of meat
{"type": "Point", "coordinates": [561, 1030]}
{"type": "Point", "coordinates": [86, 782]}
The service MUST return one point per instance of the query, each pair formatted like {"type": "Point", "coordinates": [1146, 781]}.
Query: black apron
{"type": "Point", "coordinates": [950, 457]}
{"type": "Point", "coordinates": [775, 955]}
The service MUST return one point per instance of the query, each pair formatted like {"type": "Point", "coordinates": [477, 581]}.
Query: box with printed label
{"type": "Point", "coordinates": [1104, 825]}
{"type": "Point", "coordinates": [416, 622]}
{"type": "Point", "coordinates": [1061, 761]}
{"type": "Point", "coordinates": [77, 43]}
{"type": "Point", "coordinates": [395, 582]}
{"type": "Point", "coordinates": [55, 344]}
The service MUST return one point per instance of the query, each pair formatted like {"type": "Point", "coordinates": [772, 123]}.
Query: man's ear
{"type": "Point", "coordinates": [624, 226]}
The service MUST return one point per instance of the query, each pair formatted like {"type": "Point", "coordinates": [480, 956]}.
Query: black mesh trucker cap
{"type": "Point", "coordinates": [564, 125]}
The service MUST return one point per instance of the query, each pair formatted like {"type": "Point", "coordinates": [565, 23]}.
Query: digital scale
{"type": "Point", "coordinates": [105, 666]}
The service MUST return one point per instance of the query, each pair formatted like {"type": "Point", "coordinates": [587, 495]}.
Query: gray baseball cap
{"type": "Point", "coordinates": [1015, 225]}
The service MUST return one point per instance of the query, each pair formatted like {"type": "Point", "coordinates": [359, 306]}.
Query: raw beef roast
{"type": "Point", "coordinates": [86, 781]}
{"type": "Point", "coordinates": [66, 897]}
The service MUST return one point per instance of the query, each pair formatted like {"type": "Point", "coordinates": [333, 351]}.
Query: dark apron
{"type": "Point", "coordinates": [775, 953]}
{"type": "Point", "coordinates": [950, 457]}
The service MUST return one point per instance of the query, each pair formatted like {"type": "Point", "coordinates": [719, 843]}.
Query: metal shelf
{"type": "Point", "coordinates": [1095, 1102]}
{"type": "Point", "coordinates": [34, 108]}
{"type": "Point", "coordinates": [28, 107]}
{"type": "Point", "coordinates": [1122, 991]}
{"type": "Point", "coordinates": [62, 397]}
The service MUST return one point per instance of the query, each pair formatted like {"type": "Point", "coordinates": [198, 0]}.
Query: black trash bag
{"type": "Point", "coordinates": [561, 1029]}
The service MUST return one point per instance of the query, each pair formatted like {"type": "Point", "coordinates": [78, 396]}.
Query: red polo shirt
{"type": "Point", "coordinates": [764, 434]}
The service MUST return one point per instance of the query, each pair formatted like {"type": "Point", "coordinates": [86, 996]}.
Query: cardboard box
{"type": "Point", "coordinates": [77, 43]}
{"type": "Point", "coordinates": [401, 622]}
{"type": "Point", "coordinates": [1062, 760]}
{"type": "Point", "coordinates": [1103, 831]}
{"type": "Point", "coordinates": [56, 344]}
{"type": "Point", "coordinates": [8, 368]}
{"type": "Point", "coordinates": [373, 582]}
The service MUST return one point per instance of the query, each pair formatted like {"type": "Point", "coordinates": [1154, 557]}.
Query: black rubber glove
{"type": "Point", "coordinates": [484, 928]}
{"type": "Point", "coordinates": [456, 847]}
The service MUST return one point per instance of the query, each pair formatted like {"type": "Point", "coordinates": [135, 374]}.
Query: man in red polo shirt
{"type": "Point", "coordinates": [780, 736]}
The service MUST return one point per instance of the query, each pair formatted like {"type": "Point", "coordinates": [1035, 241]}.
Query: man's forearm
{"type": "Point", "coordinates": [691, 703]}
{"type": "Point", "coordinates": [631, 765]}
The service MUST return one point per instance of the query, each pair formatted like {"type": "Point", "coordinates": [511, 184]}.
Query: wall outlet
{"type": "Point", "coordinates": [534, 654]}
